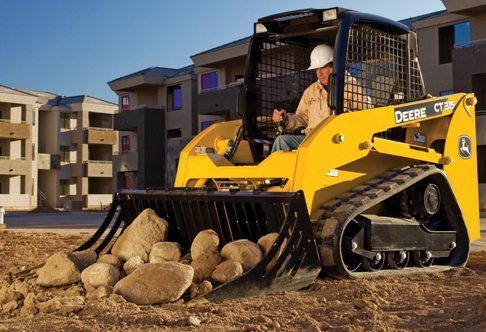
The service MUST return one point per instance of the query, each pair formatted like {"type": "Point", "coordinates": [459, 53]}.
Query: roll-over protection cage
{"type": "Point", "coordinates": [375, 64]}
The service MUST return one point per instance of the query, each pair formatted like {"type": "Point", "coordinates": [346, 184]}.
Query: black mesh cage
{"type": "Point", "coordinates": [380, 69]}
{"type": "Point", "coordinates": [282, 77]}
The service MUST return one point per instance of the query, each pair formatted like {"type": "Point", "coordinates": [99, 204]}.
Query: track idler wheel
{"type": "Point", "coordinates": [422, 258]}
{"type": "Point", "coordinates": [351, 260]}
{"type": "Point", "coordinates": [397, 259]}
{"type": "Point", "coordinates": [375, 263]}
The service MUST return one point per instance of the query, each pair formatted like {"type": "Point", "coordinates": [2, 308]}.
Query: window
{"type": "Point", "coordinates": [446, 44]}
{"type": "Point", "coordinates": [462, 34]}
{"type": "Point", "coordinates": [125, 102]}
{"type": "Point", "coordinates": [206, 124]}
{"type": "Point", "coordinates": [125, 143]}
{"type": "Point", "coordinates": [172, 133]}
{"type": "Point", "coordinates": [128, 181]}
{"type": "Point", "coordinates": [175, 98]}
{"type": "Point", "coordinates": [450, 37]}
{"type": "Point", "coordinates": [65, 121]}
{"type": "Point", "coordinates": [209, 81]}
{"type": "Point", "coordinates": [64, 187]}
{"type": "Point", "coordinates": [65, 153]}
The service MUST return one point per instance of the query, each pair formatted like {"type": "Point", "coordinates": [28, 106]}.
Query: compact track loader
{"type": "Point", "coordinates": [386, 188]}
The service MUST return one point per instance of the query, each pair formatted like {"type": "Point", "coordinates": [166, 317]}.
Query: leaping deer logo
{"type": "Point", "coordinates": [464, 147]}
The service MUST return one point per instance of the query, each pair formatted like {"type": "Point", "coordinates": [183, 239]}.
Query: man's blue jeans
{"type": "Point", "coordinates": [287, 142]}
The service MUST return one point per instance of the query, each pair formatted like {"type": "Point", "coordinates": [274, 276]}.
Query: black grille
{"type": "Point", "coordinates": [384, 71]}
{"type": "Point", "coordinates": [281, 79]}
{"type": "Point", "coordinates": [380, 71]}
{"type": "Point", "coordinates": [233, 215]}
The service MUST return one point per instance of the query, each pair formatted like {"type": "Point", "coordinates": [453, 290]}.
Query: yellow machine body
{"type": "Point", "coordinates": [345, 150]}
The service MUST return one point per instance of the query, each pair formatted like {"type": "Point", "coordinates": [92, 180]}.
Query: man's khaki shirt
{"type": "Point", "coordinates": [313, 107]}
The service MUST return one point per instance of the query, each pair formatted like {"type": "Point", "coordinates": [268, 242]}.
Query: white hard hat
{"type": "Point", "coordinates": [320, 56]}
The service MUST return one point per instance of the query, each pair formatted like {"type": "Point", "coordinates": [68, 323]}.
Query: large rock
{"type": "Point", "coordinates": [156, 283]}
{"type": "Point", "coordinates": [137, 240]}
{"type": "Point", "coordinates": [132, 264]}
{"type": "Point", "coordinates": [85, 258]}
{"type": "Point", "coordinates": [165, 252]}
{"type": "Point", "coordinates": [266, 243]}
{"type": "Point", "coordinates": [59, 270]}
{"type": "Point", "coordinates": [100, 274]}
{"type": "Point", "coordinates": [227, 271]}
{"type": "Point", "coordinates": [110, 259]}
{"type": "Point", "coordinates": [205, 264]}
{"type": "Point", "coordinates": [207, 240]}
{"type": "Point", "coordinates": [245, 252]}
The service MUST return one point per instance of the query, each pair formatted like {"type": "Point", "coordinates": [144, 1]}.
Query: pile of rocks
{"type": "Point", "coordinates": [143, 268]}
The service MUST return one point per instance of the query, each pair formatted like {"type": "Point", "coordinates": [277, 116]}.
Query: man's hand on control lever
{"type": "Point", "coordinates": [279, 116]}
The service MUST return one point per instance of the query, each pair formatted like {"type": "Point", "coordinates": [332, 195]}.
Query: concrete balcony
{"type": "Point", "coordinates": [14, 130]}
{"type": "Point", "coordinates": [98, 168]}
{"type": "Point", "coordinates": [93, 135]}
{"type": "Point", "coordinates": [48, 161]}
{"type": "Point", "coordinates": [125, 161]}
{"type": "Point", "coordinates": [221, 101]}
{"type": "Point", "coordinates": [136, 119]}
{"type": "Point", "coordinates": [15, 167]}
{"type": "Point", "coordinates": [66, 138]}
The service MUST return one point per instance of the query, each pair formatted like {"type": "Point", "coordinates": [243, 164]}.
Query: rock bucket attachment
{"type": "Point", "coordinates": [293, 262]}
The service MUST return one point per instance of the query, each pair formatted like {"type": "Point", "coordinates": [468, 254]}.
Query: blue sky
{"type": "Point", "coordinates": [75, 47]}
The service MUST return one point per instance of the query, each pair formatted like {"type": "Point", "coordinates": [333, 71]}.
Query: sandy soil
{"type": "Point", "coordinates": [449, 301]}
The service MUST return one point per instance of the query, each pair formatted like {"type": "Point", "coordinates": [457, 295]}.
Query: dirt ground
{"type": "Point", "coordinates": [447, 301]}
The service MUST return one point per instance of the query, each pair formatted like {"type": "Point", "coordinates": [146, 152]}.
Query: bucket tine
{"type": "Point", "coordinates": [101, 230]}
{"type": "Point", "coordinates": [110, 235]}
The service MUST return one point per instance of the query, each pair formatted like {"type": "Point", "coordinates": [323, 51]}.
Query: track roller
{"type": "Point", "coordinates": [397, 259]}
{"type": "Point", "coordinates": [375, 263]}
{"type": "Point", "coordinates": [422, 258]}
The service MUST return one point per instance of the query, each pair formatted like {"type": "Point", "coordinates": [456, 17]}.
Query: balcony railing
{"type": "Point", "coordinates": [10, 121]}
{"type": "Point", "coordinates": [11, 158]}
{"type": "Point", "coordinates": [120, 153]}
{"type": "Point", "coordinates": [97, 161]}
{"type": "Point", "coordinates": [221, 87]}
{"type": "Point", "coordinates": [472, 43]}
{"type": "Point", "coordinates": [221, 101]}
{"type": "Point", "coordinates": [98, 128]}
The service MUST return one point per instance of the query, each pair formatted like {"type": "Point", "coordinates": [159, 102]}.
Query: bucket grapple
{"type": "Point", "coordinates": [233, 215]}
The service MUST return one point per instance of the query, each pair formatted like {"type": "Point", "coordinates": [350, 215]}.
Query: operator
{"type": "Point", "coordinates": [313, 107]}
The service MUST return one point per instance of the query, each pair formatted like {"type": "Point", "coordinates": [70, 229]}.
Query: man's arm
{"type": "Point", "coordinates": [301, 117]}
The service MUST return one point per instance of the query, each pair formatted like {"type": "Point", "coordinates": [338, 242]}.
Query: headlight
{"type": "Point", "coordinates": [329, 14]}
{"type": "Point", "coordinates": [260, 28]}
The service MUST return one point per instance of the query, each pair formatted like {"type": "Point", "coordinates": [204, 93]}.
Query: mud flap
{"type": "Point", "coordinates": [292, 263]}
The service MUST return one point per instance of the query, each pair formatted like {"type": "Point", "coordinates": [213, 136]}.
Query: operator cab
{"type": "Point", "coordinates": [380, 54]}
